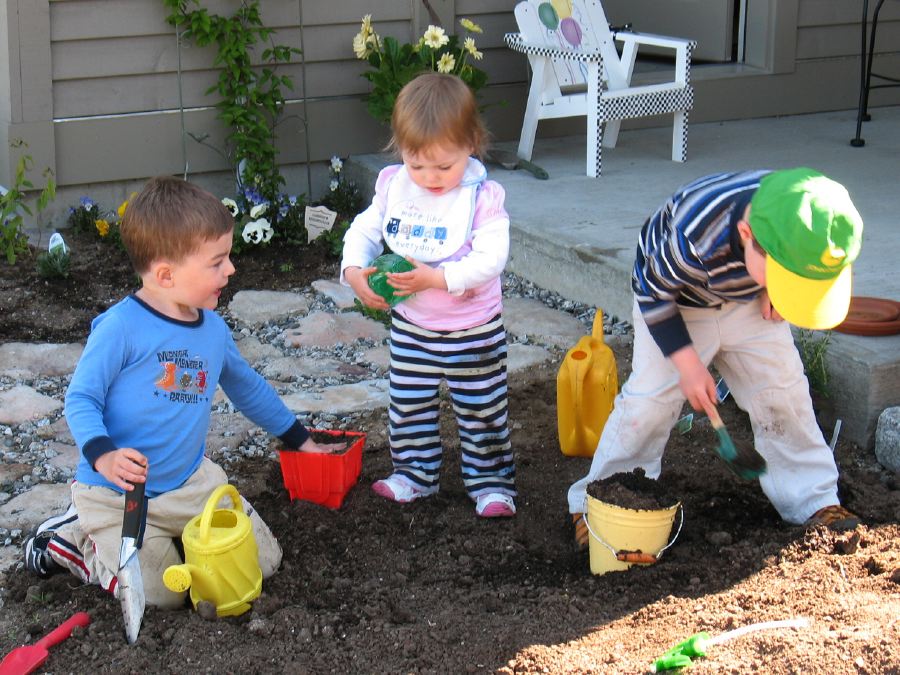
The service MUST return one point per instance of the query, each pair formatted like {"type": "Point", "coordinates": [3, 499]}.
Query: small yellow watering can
{"type": "Point", "coordinates": [222, 561]}
{"type": "Point", "coordinates": [586, 387]}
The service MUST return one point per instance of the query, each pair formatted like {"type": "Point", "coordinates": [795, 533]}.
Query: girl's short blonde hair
{"type": "Point", "coordinates": [437, 109]}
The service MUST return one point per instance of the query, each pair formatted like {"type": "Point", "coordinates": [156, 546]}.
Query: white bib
{"type": "Point", "coordinates": [424, 226]}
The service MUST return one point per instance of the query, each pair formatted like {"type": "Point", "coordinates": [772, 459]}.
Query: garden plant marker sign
{"type": "Point", "coordinates": [319, 219]}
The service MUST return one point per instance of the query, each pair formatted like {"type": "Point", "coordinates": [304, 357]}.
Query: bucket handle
{"type": "Point", "coordinates": [214, 498]}
{"type": "Point", "coordinates": [637, 556]}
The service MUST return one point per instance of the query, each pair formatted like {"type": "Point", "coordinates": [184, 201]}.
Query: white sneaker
{"type": "Point", "coordinates": [495, 505]}
{"type": "Point", "coordinates": [400, 489]}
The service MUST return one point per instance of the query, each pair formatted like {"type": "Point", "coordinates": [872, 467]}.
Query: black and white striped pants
{"type": "Point", "coordinates": [473, 362]}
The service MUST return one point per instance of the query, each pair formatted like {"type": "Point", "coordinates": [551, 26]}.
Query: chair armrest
{"type": "Point", "coordinates": [515, 42]}
{"type": "Point", "coordinates": [655, 40]}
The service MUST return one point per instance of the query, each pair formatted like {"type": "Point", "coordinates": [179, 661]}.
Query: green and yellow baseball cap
{"type": "Point", "coordinates": [812, 233]}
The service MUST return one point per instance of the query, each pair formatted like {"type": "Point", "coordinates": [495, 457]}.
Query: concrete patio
{"type": "Point", "coordinates": [576, 235]}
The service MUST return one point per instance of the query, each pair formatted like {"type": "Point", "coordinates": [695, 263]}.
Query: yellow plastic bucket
{"type": "Point", "coordinates": [620, 537]}
{"type": "Point", "coordinates": [221, 558]}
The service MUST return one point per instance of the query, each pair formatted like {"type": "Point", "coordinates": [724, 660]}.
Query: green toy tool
{"type": "Point", "coordinates": [696, 646]}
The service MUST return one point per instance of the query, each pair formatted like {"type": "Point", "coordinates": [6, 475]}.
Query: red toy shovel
{"type": "Point", "coordinates": [27, 659]}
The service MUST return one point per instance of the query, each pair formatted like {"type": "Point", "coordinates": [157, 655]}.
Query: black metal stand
{"type": "Point", "coordinates": [866, 74]}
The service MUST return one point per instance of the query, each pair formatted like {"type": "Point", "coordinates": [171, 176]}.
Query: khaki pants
{"type": "Point", "coordinates": [89, 546]}
{"type": "Point", "coordinates": [762, 368]}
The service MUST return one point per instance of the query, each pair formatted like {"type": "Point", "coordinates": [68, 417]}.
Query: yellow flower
{"type": "Point", "coordinates": [469, 46]}
{"type": "Point", "coordinates": [102, 226]}
{"type": "Point", "coordinates": [435, 37]}
{"type": "Point", "coordinates": [124, 205]}
{"type": "Point", "coordinates": [446, 63]}
{"type": "Point", "coordinates": [470, 26]}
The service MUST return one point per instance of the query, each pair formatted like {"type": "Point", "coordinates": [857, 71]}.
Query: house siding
{"type": "Point", "coordinates": [102, 102]}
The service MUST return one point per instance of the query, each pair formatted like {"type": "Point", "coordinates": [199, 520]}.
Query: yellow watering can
{"type": "Point", "coordinates": [221, 559]}
{"type": "Point", "coordinates": [586, 387]}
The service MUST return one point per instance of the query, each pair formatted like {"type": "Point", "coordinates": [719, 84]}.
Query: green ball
{"type": "Point", "coordinates": [390, 262]}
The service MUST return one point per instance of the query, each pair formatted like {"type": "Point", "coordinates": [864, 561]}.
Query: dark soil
{"type": "Point", "coordinates": [430, 588]}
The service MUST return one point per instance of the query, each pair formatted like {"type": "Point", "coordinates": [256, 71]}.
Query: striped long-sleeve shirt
{"type": "Point", "coordinates": [689, 254]}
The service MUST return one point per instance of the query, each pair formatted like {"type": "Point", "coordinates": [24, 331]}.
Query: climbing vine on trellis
{"type": "Point", "coordinates": [251, 97]}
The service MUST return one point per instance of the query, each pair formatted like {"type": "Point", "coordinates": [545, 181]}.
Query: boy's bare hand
{"type": "Point", "coordinates": [309, 445]}
{"type": "Point", "coordinates": [358, 278]}
{"type": "Point", "coordinates": [769, 313]}
{"type": "Point", "coordinates": [123, 467]}
{"type": "Point", "coordinates": [696, 383]}
{"type": "Point", "coordinates": [421, 278]}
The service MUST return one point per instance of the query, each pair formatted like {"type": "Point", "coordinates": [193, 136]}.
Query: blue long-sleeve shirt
{"type": "Point", "coordinates": [146, 381]}
{"type": "Point", "coordinates": [689, 254]}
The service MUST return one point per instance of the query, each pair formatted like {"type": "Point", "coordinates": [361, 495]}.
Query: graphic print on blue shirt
{"type": "Point", "coordinates": [183, 377]}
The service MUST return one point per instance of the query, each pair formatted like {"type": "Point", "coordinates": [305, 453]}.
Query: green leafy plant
{"type": "Point", "coordinates": [394, 64]}
{"type": "Point", "coordinates": [379, 315]}
{"type": "Point", "coordinates": [55, 263]}
{"type": "Point", "coordinates": [251, 98]}
{"type": "Point", "coordinates": [13, 240]}
{"type": "Point", "coordinates": [258, 221]}
{"type": "Point", "coordinates": [343, 196]}
{"type": "Point", "coordinates": [333, 239]}
{"type": "Point", "coordinates": [812, 353]}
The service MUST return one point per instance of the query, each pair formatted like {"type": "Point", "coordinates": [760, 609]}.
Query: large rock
{"type": "Point", "coordinates": [887, 439]}
{"type": "Point", "coordinates": [541, 324]}
{"type": "Point", "coordinates": [524, 357]}
{"type": "Point", "coordinates": [31, 508]}
{"type": "Point", "coordinates": [344, 398]}
{"type": "Point", "coordinates": [321, 329]}
{"type": "Point", "coordinates": [22, 403]}
{"type": "Point", "coordinates": [258, 307]}
{"type": "Point", "coordinates": [341, 296]}
{"type": "Point", "coordinates": [18, 359]}
{"type": "Point", "coordinates": [254, 351]}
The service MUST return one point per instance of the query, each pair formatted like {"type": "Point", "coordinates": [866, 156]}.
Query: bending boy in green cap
{"type": "Point", "coordinates": [722, 268]}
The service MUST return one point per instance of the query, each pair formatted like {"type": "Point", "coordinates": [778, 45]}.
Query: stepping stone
{"type": "Point", "coordinates": [19, 359]}
{"type": "Point", "coordinates": [541, 324]}
{"type": "Point", "coordinates": [254, 351]}
{"type": "Point", "coordinates": [341, 399]}
{"type": "Point", "coordinates": [322, 329]}
{"type": "Point", "coordinates": [10, 473]}
{"type": "Point", "coordinates": [22, 403]}
{"type": "Point", "coordinates": [289, 368]}
{"type": "Point", "coordinates": [342, 296]}
{"type": "Point", "coordinates": [66, 458]}
{"type": "Point", "coordinates": [524, 357]}
{"type": "Point", "coordinates": [31, 508]}
{"type": "Point", "coordinates": [235, 425]}
{"type": "Point", "coordinates": [379, 356]}
{"type": "Point", "coordinates": [258, 307]}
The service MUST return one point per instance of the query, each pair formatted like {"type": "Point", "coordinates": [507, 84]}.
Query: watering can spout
{"type": "Point", "coordinates": [585, 388]}
{"type": "Point", "coordinates": [179, 578]}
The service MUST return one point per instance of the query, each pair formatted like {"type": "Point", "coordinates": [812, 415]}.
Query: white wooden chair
{"type": "Point", "coordinates": [577, 70]}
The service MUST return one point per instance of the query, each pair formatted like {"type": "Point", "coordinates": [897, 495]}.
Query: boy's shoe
{"type": "Point", "coordinates": [399, 489]}
{"type": "Point", "coordinates": [495, 505]}
{"type": "Point", "coordinates": [834, 517]}
{"type": "Point", "coordinates": [37, 557]}
{"type": "Point", "coordinates": [581, 531]}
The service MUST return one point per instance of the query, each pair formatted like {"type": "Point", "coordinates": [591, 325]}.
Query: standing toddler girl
{"type": "Point", "coordinates": [438, 210]}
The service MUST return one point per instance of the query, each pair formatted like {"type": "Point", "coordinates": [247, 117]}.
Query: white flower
{"type": "Point", "coordinates": [366, 28]}
{"type": "Point", "coordinates": [435, 37]}
{"type": "Point", "coordinates": [469, 46]}
{"type": "Point", "coordinates": [257, 231]}
{"type": "Point", "coordinates": [258, 210]}
{"type": "Point", "coordinates": [232, 206]}
{"type": "Point", "coordinates": [333, 185]}
{"type": "Point", "coordinates": [361, 46]}
{"type": "Point", "coordinates": [445, 63]}
{"type": "Point", "coordinates": [336, 164]}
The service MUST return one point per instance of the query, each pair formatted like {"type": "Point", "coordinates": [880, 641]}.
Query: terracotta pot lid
{"type": "Point", "coordinates": [871, 316]}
